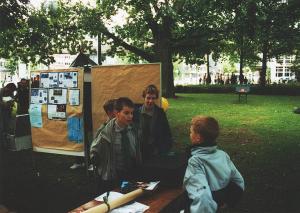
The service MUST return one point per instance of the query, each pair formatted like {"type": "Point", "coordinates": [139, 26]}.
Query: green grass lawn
{"type": "Point", "coordinates": [261, 136]}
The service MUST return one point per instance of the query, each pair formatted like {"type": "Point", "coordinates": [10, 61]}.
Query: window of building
{"type": "Point", "coordinates": [288, 59]}
{"type": "Point", "coordinates": [288, 72]}
{"type": "Point", "coordinates": [279, 71]}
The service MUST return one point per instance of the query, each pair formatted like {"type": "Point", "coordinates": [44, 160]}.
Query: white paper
{"type": "Point", "coordinates": [131, 208]}
{"type": "Point", "coordinates": [53, 79]}
{"type": "Point", "coordinates": [44, 80]}
{"type": "Point", "coordinates": [49, 79]}
{"type": "Point", "coordinates": [35, 115]}
{"type": "Point", "coordinates": [74, 95]}
{"type": "Point", "coordinates": [68, 79]}
{"type": "Point", "coordinates": [57, 96]}
{"type": "Point", "coordinates": [39, 96]}
{"type": "Point", "coordinates": [57, 111]}
{"type": "Point", "coordinates": [152, 185]}
{"type": "Point", "coordinates": [112, 196]}
{"type": "Point", "coordinates": [134, 207]}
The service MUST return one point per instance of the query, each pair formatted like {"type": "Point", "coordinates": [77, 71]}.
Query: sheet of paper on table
{"type": "Point", "coordinates": [152, 185]}
{"type": "Point", "coordinates": [134, 207]}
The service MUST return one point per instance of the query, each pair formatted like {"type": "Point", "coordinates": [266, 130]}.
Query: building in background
{"type": "Point", "coordinates": [281, 69]}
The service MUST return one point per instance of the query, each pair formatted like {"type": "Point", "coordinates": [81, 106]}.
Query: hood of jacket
{"type": "Point", "coordinates": [198, 150]}
{"type": "Point", "coordinates": [107, 131]}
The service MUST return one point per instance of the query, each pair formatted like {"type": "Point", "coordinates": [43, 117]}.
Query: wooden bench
{"type": "Point", "coordinates": [242, 90]}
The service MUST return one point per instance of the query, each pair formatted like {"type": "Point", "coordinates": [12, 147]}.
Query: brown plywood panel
{"type": "Point", "coordinates": [120, 81]}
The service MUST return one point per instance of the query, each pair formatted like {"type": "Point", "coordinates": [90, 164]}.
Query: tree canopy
{"type": "Point", "coordinates": [42, 32]}
{"type": "Point", "coordinates": [162, 31]}
{"type": "Point", "coordinates": [11, 12]}
{"type": "Point", "coordinates": [159, 31]}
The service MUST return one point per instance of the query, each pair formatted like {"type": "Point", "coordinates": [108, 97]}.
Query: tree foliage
{"type": "Point", "coordinates": [276, 29]}
{"type": "Point", "coordinates": [11, 12]}
{"type": "Point", "coordinates": [239, 46]}
{"type": "Point", "coordinates": [164, 31]}
{"type": "Point", "coordinates": [159, 31]}
{"type": "Point", "coordinates": [42, 33]}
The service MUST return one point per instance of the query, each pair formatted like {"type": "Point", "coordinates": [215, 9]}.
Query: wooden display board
{"type": "Point", "coordinates": [53, 137]}
{"type": "Point", "coordinates": [120, 81]}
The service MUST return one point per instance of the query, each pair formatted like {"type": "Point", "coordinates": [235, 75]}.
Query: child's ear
{"type": "Point", "coordinates": [199, 138]}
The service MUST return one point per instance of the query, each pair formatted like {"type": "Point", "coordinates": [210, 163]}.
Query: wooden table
{"type": "Point", "coordinates": [161, 200]}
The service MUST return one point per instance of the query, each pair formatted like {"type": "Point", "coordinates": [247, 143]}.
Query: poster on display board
{"type": "Point", "coordinates": [49, 80]}
{"type": "Point", "coordinates": [74, 97]}
{"type": "Point", "coordinates": [39, 96]}
{"type": "Point", "coordinates": [68, 79]}
{"type": "Point", "coordinates": [57, 96]}
{"type": "Point", "coordinates": [57, 111]}
{"type": "Point", "coordinates": [35, 115]}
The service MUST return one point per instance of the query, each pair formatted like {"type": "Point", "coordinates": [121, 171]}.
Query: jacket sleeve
{"type": "Point", "coordinates": [95, 149]}
{"type": "Point", "coordinates": [198, 190]}
{"type": "Point", "coordinates": [101, 158]}
{"type": "Point", "coordinates": [236, 176]}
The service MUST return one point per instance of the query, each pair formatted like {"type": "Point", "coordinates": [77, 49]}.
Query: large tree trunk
{"type": "Point", "coordinates": [208, 79]}
{"type": "Point", "coordinates": [99, 49]}
{"type": "Point", "coordinates": [164, 53]}
{"type": "Point", "coordinates": [167, 77]}
{"type": "Point", "coordinates": [263, 72]}
{"type": "Point", "coordinates": [241, 77]}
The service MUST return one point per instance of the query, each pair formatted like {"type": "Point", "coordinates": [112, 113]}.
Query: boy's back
{"type": "Point", "coordinates": [211, 179]}
{"type": "Point", "coordinates": [217, 167]}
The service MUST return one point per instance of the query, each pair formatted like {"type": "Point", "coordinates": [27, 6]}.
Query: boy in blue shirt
{"type": "Point", "coordinates": [211, 179]}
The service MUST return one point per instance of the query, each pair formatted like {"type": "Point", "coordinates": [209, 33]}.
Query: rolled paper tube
{"type": "Point", "coordinates": [103, 208]}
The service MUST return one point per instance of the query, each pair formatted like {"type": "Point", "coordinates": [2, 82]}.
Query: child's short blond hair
{"type": "Point", "coordinates": [207, 127]}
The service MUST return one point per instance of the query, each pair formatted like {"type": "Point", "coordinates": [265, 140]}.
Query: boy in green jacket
{"type": "Point", "coordinates": [116, 150]}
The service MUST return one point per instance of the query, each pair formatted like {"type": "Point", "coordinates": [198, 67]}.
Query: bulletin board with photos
{"type": "Point", "coordinates": [56, 110]}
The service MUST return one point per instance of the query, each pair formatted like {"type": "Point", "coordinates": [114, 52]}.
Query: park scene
{"type": "Point", "coordinates": [200, 95]}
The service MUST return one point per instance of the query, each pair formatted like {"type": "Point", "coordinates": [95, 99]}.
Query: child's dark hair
{"type": "Point", "coordinates": [121, 102]}
{"type": "Point", "coordinates": [207, 127]}
{"type": "Point", "coordinates": [109, 105]}
{"type": "Point", "coordinates": [11, 86]}
{"type": "Point", "coordinates": [151, 89]}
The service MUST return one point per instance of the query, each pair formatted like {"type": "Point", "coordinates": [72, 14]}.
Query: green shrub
{"type": "Point", "coordinates": [272, 89]}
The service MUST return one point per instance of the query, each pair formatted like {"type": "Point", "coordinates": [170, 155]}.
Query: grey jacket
{"type": "Point", "coordinates": [104, 154]}
{"type": "Point", "coordinates": [209, 169]}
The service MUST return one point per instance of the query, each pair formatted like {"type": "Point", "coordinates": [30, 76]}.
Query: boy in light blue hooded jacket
{"type": "Point", "coordinates": [211, 179]}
